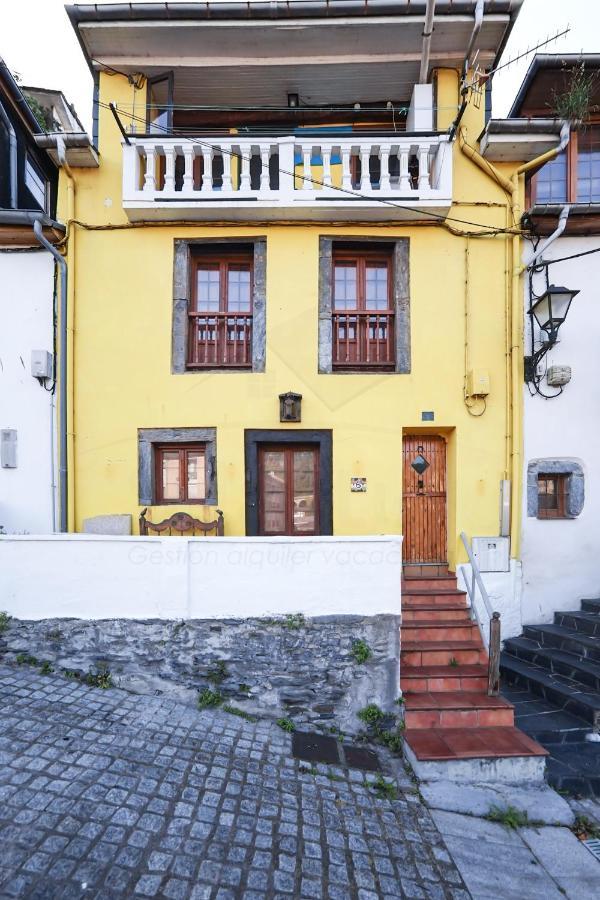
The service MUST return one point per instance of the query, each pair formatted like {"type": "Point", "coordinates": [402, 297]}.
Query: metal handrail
{"type": "Point", "coordinates": [494, 617]}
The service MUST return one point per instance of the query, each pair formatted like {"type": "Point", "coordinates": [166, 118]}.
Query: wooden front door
{"type": "Point", "coordinates": [424, 499]}
{"type": "Point", "coordinates": [288, 479]}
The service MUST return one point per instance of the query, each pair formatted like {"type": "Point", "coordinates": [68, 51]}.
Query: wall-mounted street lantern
{"type": "Point", "coordinates": [550, 311]}
{"type": "Point", "coordinates": [290, 407]}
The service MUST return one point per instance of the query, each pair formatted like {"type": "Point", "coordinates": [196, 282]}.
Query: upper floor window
{"type": "Point", "coordinates": [362, 310]}
{"type": "Point", "coordinates": [35, 183]}
{"type": "Point", "coordinates": [220, 314]}
{"type": "Point", "coordinates": [574, 175]}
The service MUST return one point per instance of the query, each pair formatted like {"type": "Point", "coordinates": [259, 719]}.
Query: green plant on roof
{"type": "Point", "coordinates": [574, 102]}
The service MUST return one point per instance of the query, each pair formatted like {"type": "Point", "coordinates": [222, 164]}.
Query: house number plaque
{"type": "Point", "coordinates": [358, 485]}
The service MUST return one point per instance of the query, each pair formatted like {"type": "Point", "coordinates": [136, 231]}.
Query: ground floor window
{"type": "Point", "coordinates": [180, 473]}
{"type": "Point", "coordinates": [555, 488]}
{"type": "Point", "coordinates": [552, 496]}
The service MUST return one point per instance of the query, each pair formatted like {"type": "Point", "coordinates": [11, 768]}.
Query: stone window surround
{"type": "Point", "coordinates": [575, 485]}
{"type": "Point", "coordinates": [182, 294]}
{"type": "Point", "coordinates": [401, 294]}
{"type": "Point", "coordinates": [148, 437]}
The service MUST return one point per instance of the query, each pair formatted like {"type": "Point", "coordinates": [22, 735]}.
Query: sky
{"type": "Point", "coordinates": [37, 41]}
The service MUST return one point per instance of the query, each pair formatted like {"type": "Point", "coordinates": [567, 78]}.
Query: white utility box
{"type": "Point", "coordinates": [492, 554]}
{"type": "Point", "coordinates": [558, 375]}
{"type": "Point", "coordinates": [8, 448]}
{"type": "Point", "coordinates": [41, 364]}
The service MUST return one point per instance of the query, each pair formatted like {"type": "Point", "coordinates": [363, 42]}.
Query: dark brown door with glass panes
{"type": "Point", "coordinates": [424, 511]}
{"type": "Point", "coordinates": [288, 481]}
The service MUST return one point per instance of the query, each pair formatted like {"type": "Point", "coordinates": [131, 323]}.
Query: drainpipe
{"type": "Point", "coordinates": [12, 151]}
{"type": "Point", "coordinates": [62, 446]}
{"type": "Point", "coordinates": [562, 224]}
{"type": "Point", "coordinates": [512, 188]}
{"type": "Point", "coordinates": [427, 32]}
{"type": "Point", "coordinates": [70, 313]}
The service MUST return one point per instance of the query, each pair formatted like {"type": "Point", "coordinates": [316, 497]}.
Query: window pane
{"type": "Point", "coordinates": [208, 290]}
{"type": "Point", "coordinates": [238, 290]}
{"type": "Point", "coordinates": [588, 166]}
{"type": "Point", "coordinates": [158, 106]}
{"type": "Point", "coordinates": [274, 492]}
{"type": "Point", "coordinates": [304, 491]}
{"type": "Point", "coordinates": [36, 183]}
{"type": "Point", "coordinates": [170, 475]}
{"type": "Point", "coordinates": [376, 287]}
{"type": "Point", "coordinates": [196, 476]}
{"type": "Point", "coordinates": [547, 493]}
{"type": "Point", "coordinates": [551, 186]}
{"type": "Point", "coordinates": [344, 289]}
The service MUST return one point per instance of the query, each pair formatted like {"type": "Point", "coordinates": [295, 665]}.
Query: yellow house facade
{"type": "Point", "coordinates": [384, 294]}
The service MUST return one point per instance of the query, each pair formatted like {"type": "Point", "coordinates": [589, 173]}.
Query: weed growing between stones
{"type": "Point", "coordinates": [307, 770]}
{"type": "Point", "coordinates": [217, 673]}
{"type": "Point", "coordinates": [209, 699]}
{"type": "Point", "coordinates": [509, 816]}
{"type": "Point", "coordinates": [383, 728]}
{"type": "Point", "coordinates": [244, 688]}
{"type": "Point", "coordinates": [584, 828]}
{"type": "Point", "coordinates": [25, 659]}
{"type": "Point", "coordinates": [4, 621]}
{"type": "Point", "coordinates": [101, 678]}
{"type": "Point", "coordinates": [453, 662]}
{"type": "Point", "coordinates": [72, 674]}
{"type": "Point", "coordinates": [294, 621]}
{"type": "Point", "coordinates": [360, 651]}
{"type": "Point", "coordinates": [286, 725]}
{"type": "Point", "coordinates": [46, 667]}
{"type": "Point", "coordinates": [236, 711]}
{"type": "Point", "coordinates": [399, 701]}
{"type": "Point", "coordinates": [385, 790]}
{"type": "Point", "coordinates": [53, 635]}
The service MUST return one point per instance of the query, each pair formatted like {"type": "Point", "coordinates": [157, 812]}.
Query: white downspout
{"type": "Point", "coordinates": [479, 9]}
{"type": "Point", "coordinates": [427, 32]}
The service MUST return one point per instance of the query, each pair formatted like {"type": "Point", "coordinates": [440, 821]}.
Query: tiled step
{"type": "Point", "coordinates": [564, 639]}
{"type": "Point", "coordinates": [562, 692]}
{"type": "Point", "coordinates": [424, 570]}
{"type": "Point", "coordinates": [471, 743]}
{"type": "Point", "coordinates": [443, 630]}
{"type": "Point", "coordinates": [456, 710]}
{"type": "Point", "coordinates": [542, 721]}
{"type": "Point", "coordinates": [581, 622]}
{"type": "Point", "coordinates": [420, 613]}
{"type": "Point", "coordinates": [438, 582]}
{"type": "Point", "coordinates": [439, 653]}
{"type": "Point", "coordinates": [591, 604]}
{"type": "Point", "coordinates": [421, 679]}
{"type": "Point", "coordinates": [560, 662]}
{"type": "Point", "coordinates": [454, 599]}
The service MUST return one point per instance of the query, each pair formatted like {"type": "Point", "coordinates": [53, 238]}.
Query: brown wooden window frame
{"type": "Point", "coordinates": [226, 351]}
{"type": "Point", "coordinates": [571, 153]}
{"type": "Point", "coordinates": [183, 450]}
{"type": "Point", "coordinates": [369, 349]}
{"type": "Point", "coordinates": [561, 491]}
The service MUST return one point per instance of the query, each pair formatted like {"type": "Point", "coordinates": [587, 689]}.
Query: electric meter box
{"type": "Point", "coordinates": [41, 364]}
{"type": "Point", "coordinates": [492, 554]}
{"type": "Point", "coordinates": [478, 382]}
{"type": "Point", "coordinates": [8, 448]}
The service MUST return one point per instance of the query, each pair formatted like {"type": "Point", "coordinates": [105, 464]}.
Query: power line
{"type": "Point", "coordinates": [170, 133]}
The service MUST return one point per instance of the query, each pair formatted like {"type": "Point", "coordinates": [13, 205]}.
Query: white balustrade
{"type": "Point", "coordinates": [288, 170]}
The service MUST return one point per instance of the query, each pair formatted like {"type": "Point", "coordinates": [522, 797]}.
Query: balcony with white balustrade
{"type": "Point", "coordinates": [301, 178]}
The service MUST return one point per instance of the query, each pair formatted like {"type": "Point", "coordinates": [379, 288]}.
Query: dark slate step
{"type": "Point", "coordinates": [560, 662]}
{"type": "Point", "coordinates": [591, 604]}
{"type": "Point", "coordinates": [565, 694]}
{"type": "Point", "coordinates": [581, 622]}
{"type": "Point", "coordinates": [562, 638]}
{"type": "Point", "coordinates": [542, 721]}
{"type": "Point", "coordinates": [568, 769]}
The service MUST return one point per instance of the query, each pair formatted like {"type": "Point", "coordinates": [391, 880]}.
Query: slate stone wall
{"type": "Point", "coordinates": [301, 668]}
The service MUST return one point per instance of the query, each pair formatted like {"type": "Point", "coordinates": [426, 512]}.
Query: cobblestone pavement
{"type": "Point", "coordinates": [106, 794]}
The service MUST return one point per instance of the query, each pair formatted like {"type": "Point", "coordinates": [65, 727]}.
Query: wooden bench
{"type": "Point", "coordinates": [181, 523]}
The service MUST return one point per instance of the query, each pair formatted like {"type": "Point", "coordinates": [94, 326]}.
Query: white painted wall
{"type": "Point", "coordinates": [561, 558]}
{"type": "Point", "coordinates": [26, 286]}
{"type": "Point", "coordinates": [102, 577]}
{"type": "Point", "coordinates": [504, 592]}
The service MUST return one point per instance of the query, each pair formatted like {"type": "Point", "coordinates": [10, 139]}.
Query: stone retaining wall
{"type": "Point", "coordinates": [290, 666]}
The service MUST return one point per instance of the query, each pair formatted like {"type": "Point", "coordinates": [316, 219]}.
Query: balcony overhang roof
{"type": "Point", "coordinates": [229, 45]}
{"type": "Point", "coordinates": [519, 140]}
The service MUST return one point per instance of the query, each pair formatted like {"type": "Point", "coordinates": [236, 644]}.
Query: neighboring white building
{"type": "Point", "coordinates": [561, 460]}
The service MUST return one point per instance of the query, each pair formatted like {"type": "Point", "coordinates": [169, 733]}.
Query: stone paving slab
{"type": "Point", "coordinates": [110, 795]}
{"type": "Point", "coordinates": [540, 803]}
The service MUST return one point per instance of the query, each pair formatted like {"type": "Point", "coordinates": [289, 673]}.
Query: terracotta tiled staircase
{"type": "Point", "coordinates": [448, 714]}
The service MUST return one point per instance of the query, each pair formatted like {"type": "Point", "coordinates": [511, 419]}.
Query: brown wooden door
{"type": "Point", "coordinates": [288, 480]}
{"type": "Point", "coordinates": [424, 499]}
